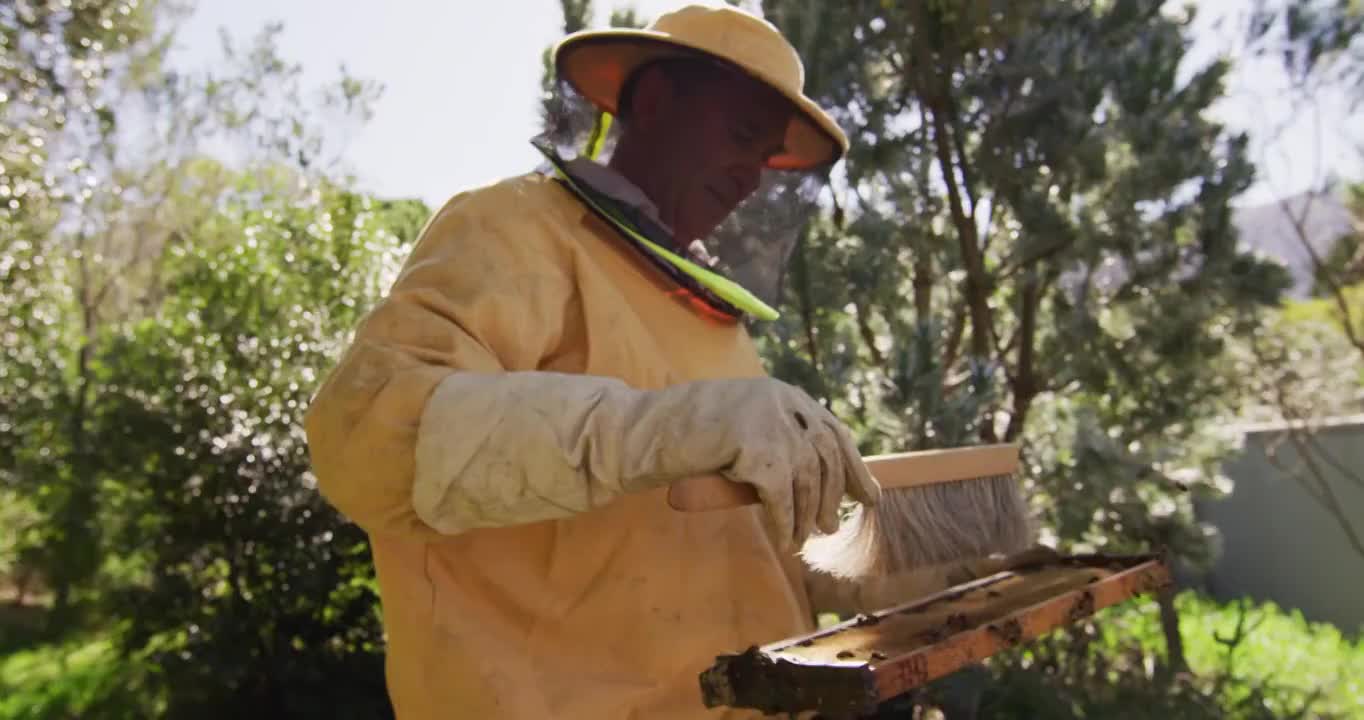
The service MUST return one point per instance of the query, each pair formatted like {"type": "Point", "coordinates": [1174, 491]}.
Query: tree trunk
{"type": "Point", "coordinates": [1169, 624]}
{"type": "Point", "coordinates": [976, 286]}
{"type": "Point", "coordinates": [1025, 379]}
{"type": "Point", "coordinates": [801, 276]}
{"type": "Point", "coordinates": [864, 329]}
{"type": "Point", "coordinates": [931, 80]}
{"type": "Point", "coordinates": [74, 517]}
{"type": "Point", "coordinates": [923, 287]}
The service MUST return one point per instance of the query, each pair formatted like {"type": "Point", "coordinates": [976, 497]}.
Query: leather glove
{"type": "Point", "coordinates": [773, 436]}
{"type": "Point", "coordinates": [509, 448]}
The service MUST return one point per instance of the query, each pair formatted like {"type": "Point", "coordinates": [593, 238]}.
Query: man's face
{"type": "Point", "coordinates": [709, 142]}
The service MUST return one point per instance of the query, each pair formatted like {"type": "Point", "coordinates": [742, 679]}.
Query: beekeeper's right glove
{"type": "Point", "coordinates": [519, 447]}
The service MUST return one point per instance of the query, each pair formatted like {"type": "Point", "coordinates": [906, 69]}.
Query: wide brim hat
{"type": "Point", "coordinates": [598, 63]}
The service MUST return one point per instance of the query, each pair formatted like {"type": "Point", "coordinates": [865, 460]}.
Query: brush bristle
{"type": "Point", "coordinates": [926, 525]}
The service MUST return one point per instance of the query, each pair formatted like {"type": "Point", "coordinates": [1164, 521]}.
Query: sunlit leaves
{"type": "Point", "coordinates": [167, 317]}
{"type": "Point", "coordinates": [204, 414]}
{"type": "Point", "coordinates": [1100, 191]}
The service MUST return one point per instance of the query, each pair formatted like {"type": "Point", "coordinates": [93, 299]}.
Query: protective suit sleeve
{"type": "Point", "coordinates": [485, 290]}
{"type": "Point", "coordinates": [549, 445]}
{"type": "Point", "coordinates": [437, 419]}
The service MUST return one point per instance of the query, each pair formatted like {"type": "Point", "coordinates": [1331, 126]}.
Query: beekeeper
{"type": "Point", "coordinates": [557, 351]}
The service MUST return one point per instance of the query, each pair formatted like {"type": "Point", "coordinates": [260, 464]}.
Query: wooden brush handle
{"type": "Point", "coordinates": [713, 491]}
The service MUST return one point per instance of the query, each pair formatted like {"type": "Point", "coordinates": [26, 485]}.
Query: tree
{"type": "Point", "coordinates": [1343, 266]}
{"type": "Point", "coordinates": [200, 427]}
{"type": "Point", "coordinates": [1032, 242]}
{"type": "Point", "coordinates": [1320, 45]}
{"type": "Point", "coordinates": [1037, 213]}
{"type": "Point", "coordinates": [1317, 41]}
{"type": "Point", "coordinates": [168, 316]}
{"type": "Point", "coordinates": [61, 66]}
{"type": "Point", "coordinates": [1306, 369]}
{"type": "Point", "coordinates": [567, 119]}
{"type": "Point", "coordinates": [100, 195]}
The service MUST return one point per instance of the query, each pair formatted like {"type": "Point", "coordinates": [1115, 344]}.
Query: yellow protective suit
{"type": "Point", "coordinates": [610, 613]}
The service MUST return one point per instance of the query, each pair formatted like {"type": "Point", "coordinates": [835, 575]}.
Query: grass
{"type": "Point", "coordinates": [69, 679]}
{"type": "Point", "coordinates": [78, 676]}
{"type": "Point", "coordinates": [1261, 652]}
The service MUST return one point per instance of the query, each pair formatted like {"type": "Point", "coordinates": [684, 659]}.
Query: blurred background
{"type": "Point", "coordinates": [1127, 234]}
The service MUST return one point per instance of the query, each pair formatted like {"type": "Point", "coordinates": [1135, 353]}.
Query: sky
{"type": "Point", "coordinates": [461, 77]}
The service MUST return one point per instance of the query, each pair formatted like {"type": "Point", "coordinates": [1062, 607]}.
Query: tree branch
{"type": "Point", "coordinates": [989, 226]}
{"type": "Point", "coordinates": [977, 284]}
{"type": "Point", "coordinates": [1318, 486]}
{"type": "Point", "coordinates": [1010, 269]}
{"type": "Point", "coordinates": [954, 335]}
{"type": "Point", "coordinates": [1025, 384]}
{"type": "Point", "coordinates": [807, 311]}
{"type": "Point", "coordinates": [1325, 494]}
{"type": "Point", "coordinates": [953, 113]}
{"type": "Point", "coordinates": [1347, 319]}
{"type": "Point", "coordinates": [923, 286]}
{"type": "Point", "coordinates": [1169, 624]}
{"type": "Point", "coordinates": [868, 335]}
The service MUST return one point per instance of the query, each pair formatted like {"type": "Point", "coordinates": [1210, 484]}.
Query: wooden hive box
{"type": "Point", "coordinates": [848, 670]}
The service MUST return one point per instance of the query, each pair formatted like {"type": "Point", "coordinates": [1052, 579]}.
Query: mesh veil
{"type": "Point", "coordinates": [753, 246]}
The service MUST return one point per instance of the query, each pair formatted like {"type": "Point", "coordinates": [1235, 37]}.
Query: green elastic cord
{"type": "Point", "coordinates": [597, 139]}
{"type": "Point", "coordinates": [730, 291]}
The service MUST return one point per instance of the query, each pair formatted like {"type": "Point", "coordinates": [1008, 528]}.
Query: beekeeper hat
{"type": "Point", "coordinates": [598, 63]}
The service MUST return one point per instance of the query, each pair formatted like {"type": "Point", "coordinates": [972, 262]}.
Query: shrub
{"type": "Point", "coordinates": [1247, 660]}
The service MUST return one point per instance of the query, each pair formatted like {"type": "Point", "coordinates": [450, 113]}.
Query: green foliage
{"type": "Point", "coordinates": [200, 434]}
{"type": "Point", "coordinates": [1302, 366]}
{"type": "Point", "coordinates": [1248, 660]}
{"type": "Point", "coordinates": [77, 678]}
{"type": "Point", "coordinates": [172, 317]}
{"type": "Point", "coordinates": [59, 71]}
{"type": "Point", "coordinates": [1343, 265]}
{"type": "Point", "coordinates": [239, 590]}
{"type": "Point", "coordinates": [1318, 41]}
{"type": "Point", "coordinates": [1325, 310]}
{"type": "Point", "coordinates": [1304, 363]}
{"type": "Point", "coordinates": [1032, 242]}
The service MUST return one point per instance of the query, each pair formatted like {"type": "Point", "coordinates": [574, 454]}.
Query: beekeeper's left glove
{"type": "Point", "coordinates": [518, 447]}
